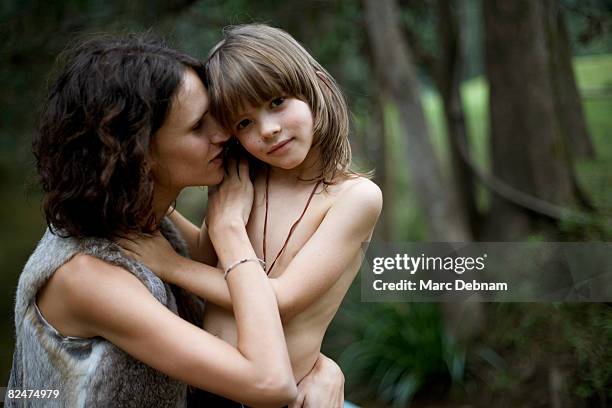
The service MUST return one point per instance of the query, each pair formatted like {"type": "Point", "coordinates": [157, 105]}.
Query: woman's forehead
{"type": "Point", "coordinates": [191, 100]}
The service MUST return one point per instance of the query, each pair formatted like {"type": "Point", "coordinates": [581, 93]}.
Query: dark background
{"type": "Point", "coordinates": [484, 120]}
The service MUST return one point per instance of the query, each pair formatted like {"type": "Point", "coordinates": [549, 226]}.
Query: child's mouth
{"type": "Point", "coordinates": [279, 147]}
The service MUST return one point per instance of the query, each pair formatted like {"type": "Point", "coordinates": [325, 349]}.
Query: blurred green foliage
{"type": "Point", "coordinates": [525, 344]}
{"type": "Point", "coordinates": [396, 350]}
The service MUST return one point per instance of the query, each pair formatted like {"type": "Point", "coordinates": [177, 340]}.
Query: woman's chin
{"type": "Point", "coordinates": [216, 180]}
{"type": "Point", "coordinates": [213, 177]}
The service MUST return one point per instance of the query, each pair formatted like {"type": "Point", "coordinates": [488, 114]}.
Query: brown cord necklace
{"type": "Point", "coordinates": [293, 226]}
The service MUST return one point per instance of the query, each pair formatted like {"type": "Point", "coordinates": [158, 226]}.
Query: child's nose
{"type": "Point", "coordinates": [270, 128]}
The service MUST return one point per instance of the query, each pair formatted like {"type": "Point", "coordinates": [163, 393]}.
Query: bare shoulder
{"type": "Point", "coordinates": [86, 286]}
{"type": "Point", "coordinates": [361, 193]}
{"type": "Point", "coordinates": [86, 275]}
{"type": "Point", "coordinates": [83, 268]}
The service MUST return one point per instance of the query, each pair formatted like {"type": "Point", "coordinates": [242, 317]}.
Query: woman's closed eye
{"type": "Point", "coordinates": [197, 125]}
{"type": "Point", "coordinates": [200, 123]}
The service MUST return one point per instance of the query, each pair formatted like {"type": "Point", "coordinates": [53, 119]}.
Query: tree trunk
{"type": "Point", "coordinates": [393, 59]}
{"type": "Point", "coordinates": [385, 165]}
{"type": "Point", "coordinates": [396, 73]}
{"type": "Point", "coordinates": [569, 103]}
{"type": "Point", "coordinates": [447, 77]}
{"type": "Point", "coordinates": [528, 150]}
{"type": "Point", "coordinates": [387, 176]}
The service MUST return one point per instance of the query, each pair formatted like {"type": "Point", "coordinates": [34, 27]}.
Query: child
{"type": "Point", "coordinates": [310, 214]}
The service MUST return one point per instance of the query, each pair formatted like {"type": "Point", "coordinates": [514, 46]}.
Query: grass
{"type": "Point", "coordinates": [594, 72]}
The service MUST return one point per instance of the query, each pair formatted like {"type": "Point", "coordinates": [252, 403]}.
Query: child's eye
{"type": "Point", "coordinates": [243, 124]}
{"type": "Point", "coordinates": [277, 102]}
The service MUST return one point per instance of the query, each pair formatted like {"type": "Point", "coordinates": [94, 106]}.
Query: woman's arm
{"type": "Point", "coordinates": [323, 386]}
{"type": "Point", "coordinates": [115, 305]}
{"type": "Point", "coordinates": [99, 299]}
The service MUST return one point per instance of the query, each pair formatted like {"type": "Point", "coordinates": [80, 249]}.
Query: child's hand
{"type": "Point", "coordinates": [231, 201]}
{"type": "Point", "coordinates": [152, 250]}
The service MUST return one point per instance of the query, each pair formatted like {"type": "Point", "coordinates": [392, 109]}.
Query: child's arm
{"type": "Point", "coordinates": [315, 268]}
{"type": "Point", "coordinates": [198, 278]}
{"type": "Point", "coordinates": [330, 250]}
{"type": "Point", "coordinates": [198, 242]}
{"type": "Point", "coordinates": [188, 230]}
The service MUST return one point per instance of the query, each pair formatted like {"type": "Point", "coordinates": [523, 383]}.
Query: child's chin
{"type": "Point", "coordinates": [288, 163]}
{"type": "Point", "coordinates": [288, 166]}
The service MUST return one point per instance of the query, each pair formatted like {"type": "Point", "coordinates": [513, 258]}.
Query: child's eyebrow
{"type": "Point", "coordinates": [243, 109]}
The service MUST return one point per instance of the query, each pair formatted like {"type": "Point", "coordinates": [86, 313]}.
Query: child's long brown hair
{"type": "Point", "coordinates": [256, 63]}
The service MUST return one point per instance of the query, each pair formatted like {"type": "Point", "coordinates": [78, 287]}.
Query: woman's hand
{"type": "Point", "coordinates": [154, 251]}
{"type": "Point", "coordinates": [230, 203]}
{"type": "Point", "coordinates": [322, 387]}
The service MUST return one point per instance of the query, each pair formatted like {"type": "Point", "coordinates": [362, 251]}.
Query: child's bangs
{"type": "Point", "coordinates": [247, 82]}
{"type": "Point", "coordinates": [243, 80]}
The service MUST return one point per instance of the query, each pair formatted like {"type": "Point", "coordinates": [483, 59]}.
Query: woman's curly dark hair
{"type": "Point", "coordinates": [111, 95]}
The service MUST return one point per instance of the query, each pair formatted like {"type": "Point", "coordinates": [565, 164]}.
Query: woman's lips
{"type": "Point", "coordinates": [279, 147]}
{"type": "Point", "coordinates": [218, 159]}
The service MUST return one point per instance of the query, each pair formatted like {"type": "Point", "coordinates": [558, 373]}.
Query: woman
{"type": "Point", "coordinates": [124, 129]}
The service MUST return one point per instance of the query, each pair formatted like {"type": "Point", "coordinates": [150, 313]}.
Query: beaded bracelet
{"type": "Point", "coordinates": [235, 264]}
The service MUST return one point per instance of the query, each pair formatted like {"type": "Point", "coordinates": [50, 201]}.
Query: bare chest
{"type": "Point", "coordinates": [285, 236]}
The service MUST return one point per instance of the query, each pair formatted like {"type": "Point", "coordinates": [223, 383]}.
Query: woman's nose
{"type": "Point", "coordinates": [219, 134]}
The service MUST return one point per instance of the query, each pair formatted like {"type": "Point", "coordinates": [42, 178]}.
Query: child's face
{"type": "Point", "coordinates": [279, 132]}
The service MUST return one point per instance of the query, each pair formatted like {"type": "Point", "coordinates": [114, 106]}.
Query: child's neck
{"type": "Point", "coordinates": [308, 171]}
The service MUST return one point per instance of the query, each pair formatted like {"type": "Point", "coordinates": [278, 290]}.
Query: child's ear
{"type": "Point", "coordinates": [323, 77]}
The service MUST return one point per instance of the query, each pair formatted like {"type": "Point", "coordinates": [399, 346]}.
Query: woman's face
{"type": "Point", "coordinates": [187, 149]}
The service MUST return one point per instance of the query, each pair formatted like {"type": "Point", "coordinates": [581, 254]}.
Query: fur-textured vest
{"type": "Point", "coordinates": [87, 372]}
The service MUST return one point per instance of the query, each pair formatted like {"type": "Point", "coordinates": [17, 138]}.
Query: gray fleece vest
{"type": "Point", "coordinates": [87, 372]}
